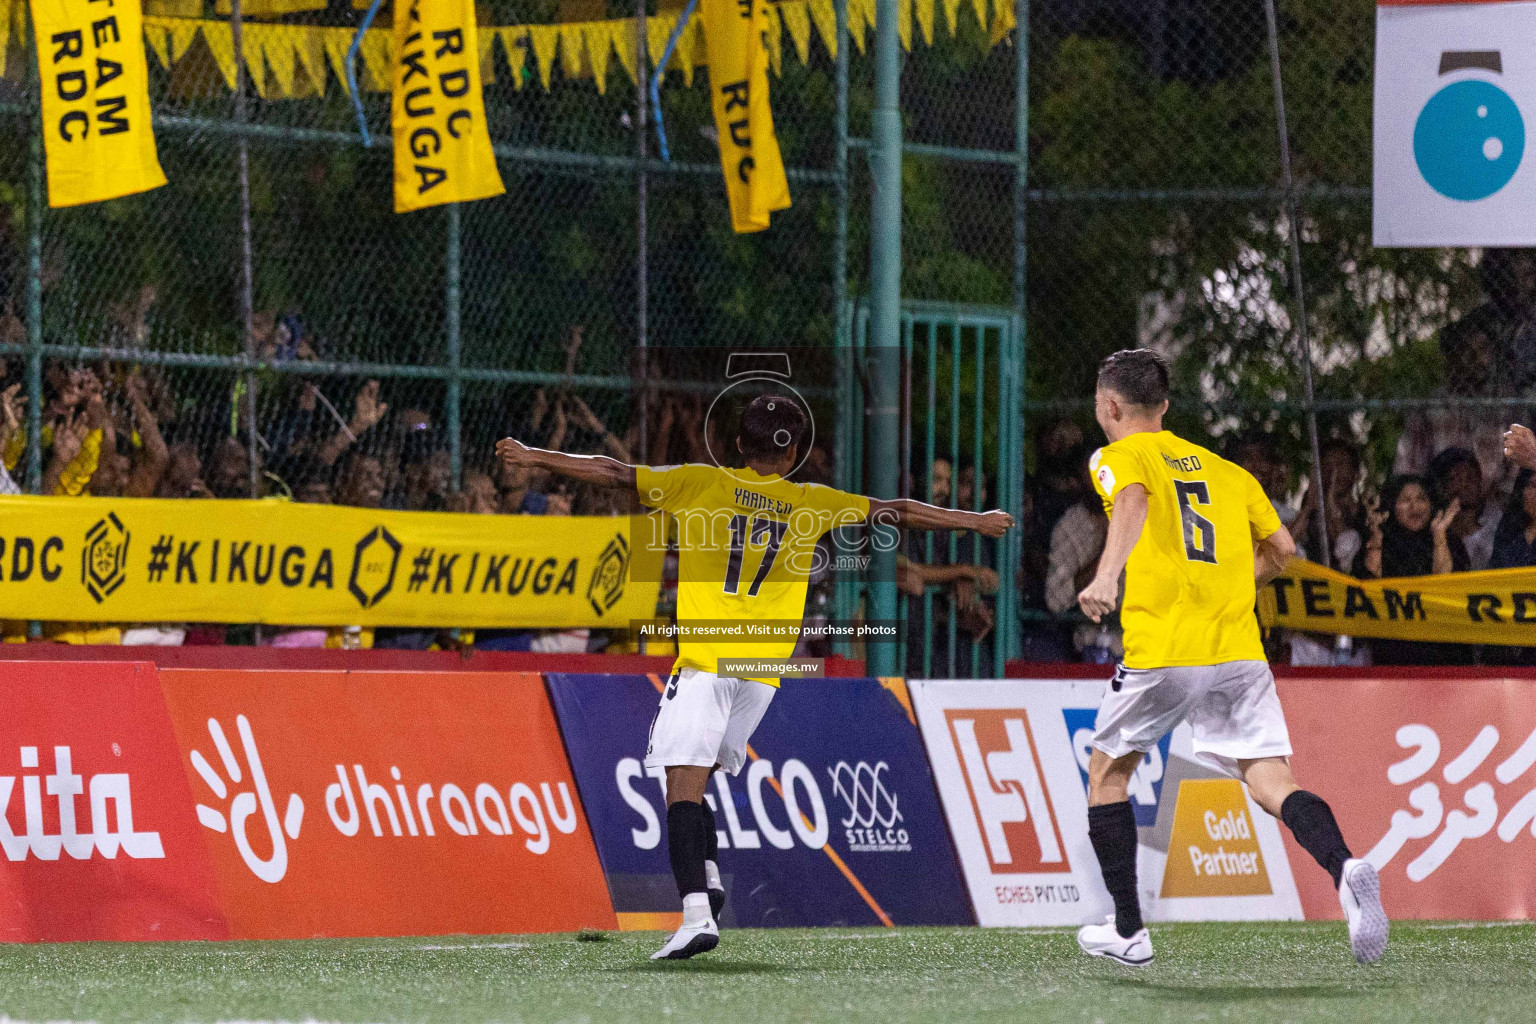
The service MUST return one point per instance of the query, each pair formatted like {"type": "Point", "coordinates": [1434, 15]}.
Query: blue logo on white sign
{"type": "Point", "coordinates": [1469, 140]}
{"type": "Point", "coordinates": [1146, 785]}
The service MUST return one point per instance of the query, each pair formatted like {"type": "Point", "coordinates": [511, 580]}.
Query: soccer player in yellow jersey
{"type": "Point", "coordinates": [746, 547]}
{"type": "Point", "coordinates": [1195, 537]}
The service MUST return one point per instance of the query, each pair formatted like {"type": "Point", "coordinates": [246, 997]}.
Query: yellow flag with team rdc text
{"type": "Point", "coordinates": [97, 134]}
{"type": "Point", "coordinates": [442, 145]}
{"type": "Point", "coordinates": [734, 33]}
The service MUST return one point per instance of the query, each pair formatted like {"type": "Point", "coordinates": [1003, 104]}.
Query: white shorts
{"type": "Point", "coordinates": [706, 720]}
{"type": "Point", "coordinates": [1232, 709]}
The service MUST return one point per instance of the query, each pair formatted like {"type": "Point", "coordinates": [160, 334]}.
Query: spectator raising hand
{"type": "Point", "coordinates": [1520, 446]}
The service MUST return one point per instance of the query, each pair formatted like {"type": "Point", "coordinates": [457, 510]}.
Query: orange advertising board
{"type": "Point", "coordinates": [1433, 780]}
{"type": "Point", "coordinates": [379, 803]}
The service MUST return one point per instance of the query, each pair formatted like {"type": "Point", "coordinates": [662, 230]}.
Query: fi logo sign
{"type": "Point", "coordinates": [1007, 789]}
{"type": "Point", "coordinates": [1146, 784]}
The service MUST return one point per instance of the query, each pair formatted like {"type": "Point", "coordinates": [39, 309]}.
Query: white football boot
{"type": "Point", "coordinates": [1360, 896]}
{"type": "Point", "coordinates": [698, 933]}
{"type": "Point", "coordinates": [1104, 940]}
{"type": "Point", "coordinates": [716, 889]}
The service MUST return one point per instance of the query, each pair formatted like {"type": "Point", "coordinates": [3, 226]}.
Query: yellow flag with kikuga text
{"type": "Point", "coordinates": [442, 145]}
{"type": "Point", "coordinates": [734, 33]}
{"type": "Point", "coordinates": [95, 86]}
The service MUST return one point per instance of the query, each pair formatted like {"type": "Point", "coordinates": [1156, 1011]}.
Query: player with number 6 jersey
{"type": "Point", "coordinates": [1194, 560]}
{"type": "Point", "coordinates": [746, 548]}
{"type": "Point", "coordinates": [1195, 537]}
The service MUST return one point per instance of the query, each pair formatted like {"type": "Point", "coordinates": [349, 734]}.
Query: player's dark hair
{"type": "Point", "coordinates": [770, 426]}
{"type": "Point", "coordinates": [1138, 375]}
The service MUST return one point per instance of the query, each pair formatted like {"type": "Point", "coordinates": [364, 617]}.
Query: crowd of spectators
{"type": "Point", "coordinates": [1452, 503]}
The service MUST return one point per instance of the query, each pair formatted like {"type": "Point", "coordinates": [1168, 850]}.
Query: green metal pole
{"type": "Point", "coordinates": [1013, 378]}
{"type": "Point", "coordinates": [845, 589]}
{"type": "Point", "coordinates": [452, 407]}
{"type": "Point", "coordinates": [883, 399]}
{"type": "Point", "coordinates": [35, 186]}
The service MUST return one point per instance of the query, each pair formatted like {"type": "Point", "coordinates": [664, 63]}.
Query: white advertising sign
{"type": "Point", "coordinates": [1011, 761]}
{"type": "Point", "coordinates": [1455, 87]}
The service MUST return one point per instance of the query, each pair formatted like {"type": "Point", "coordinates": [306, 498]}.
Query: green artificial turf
{"type": "Point", "coordinates": [1209, 972]}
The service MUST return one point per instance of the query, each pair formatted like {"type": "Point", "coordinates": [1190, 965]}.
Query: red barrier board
{"type": "Point", "coordinates": [97, 830]}
{"type": "Point", "coordinates": [1433, 780]}
{"type": "Point", "coordinates": [138, 803]}
{"type": "Point", "coordinates": [378, 803]}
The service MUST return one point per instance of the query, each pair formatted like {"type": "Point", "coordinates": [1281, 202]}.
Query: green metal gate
{"type": "Point", "coordinates": [961, 403]}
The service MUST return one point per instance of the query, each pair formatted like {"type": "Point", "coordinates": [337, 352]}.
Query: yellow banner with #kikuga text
{"type": "Point", "coordinates": [149, 560]}
{"type": "Point", "coordinates": [97, 134]}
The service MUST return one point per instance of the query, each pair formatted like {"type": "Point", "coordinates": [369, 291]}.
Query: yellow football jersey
{"type": "Point", "coordinates": [1189, 588]}
{"type": "Point", "coordinates": [746, 550]}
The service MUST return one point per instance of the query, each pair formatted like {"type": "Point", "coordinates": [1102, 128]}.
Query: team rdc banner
{"type": "Point", "coordinates": [1454, 85]}
{"type": "Point", "coordinates": [834, 820]}
{"type": "Point", "coordinates": [95, 97]}
{"type": "Point", "coordinates": [738, 79]}
{"type": "Point", "coordinates": [126, 560]}
{"type": "Point", "coordinates": [442, 144]}
{"type": "Point", "coordinates": [1496, 606]}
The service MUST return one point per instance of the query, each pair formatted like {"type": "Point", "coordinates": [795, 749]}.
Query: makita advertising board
{"type": "Point", "coordinates": [1011, 758]}
{"type": "Point", "coordinates": [146, 804]}
{"type": "Point", "coordinates": [96, 822]}
{"type": "Point", "coordinates": [834, 821]}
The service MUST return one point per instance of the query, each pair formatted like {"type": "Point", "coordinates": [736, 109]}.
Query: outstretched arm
{"type": "Point", "coordinates": [591, 469]}
{"type": "Point", "coordinates": [1126, 522]}
{"type": "Point", "coordinates": [916, 515]}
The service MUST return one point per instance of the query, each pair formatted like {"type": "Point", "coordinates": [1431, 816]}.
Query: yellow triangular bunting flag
{"type": "Point", "coordinates": [861, 21]}
{"type": "Point", "coordinates": [599, 38]}
{"type": "Point", "coordinates": [952, 16]}
{"type": "Point", "coordinates": [687, 47]}
{"type": "Point", "coordinates": [336, 42]}
{"type": "Point", "coordinates": [487, 43]}
{"type": "Point", "coordinates": [5, 34]}
{"type": "Point", "coordinates": [275, 43]}
{"type": "Point", "coordinates": [222, 45]}
{"type": "Point", "coordinates": [514, 44]}
{"type": "Point", "coordinates": [571, 47]}
{"type": "Point", "coordinates": [925, 19]}
{"type": "Point", "coordinates": [773, 39]}
{"type": "Point", "coordinates": [797, 22]}
{"type": "Point", "coordinates": [545, 40]}
{"type": "Point", "coordinates": [375, 60]}
{"type": "Point", "coordinates": [310, 46]}
{"type": "Point", "coordinates": [155, 35]}
{"type": "Point", "coordinates": [824, 16]}
{"type": "Point", "coordinates": [624, 45]}
{"type": "Point", "coordinates": [904, 23]}
{"type": "Point", "coordinates": [657, 31]}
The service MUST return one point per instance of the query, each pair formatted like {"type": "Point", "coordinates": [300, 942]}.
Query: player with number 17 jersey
{"type": "Point", "coordinates": [746, 547]}
{"type": "Point", "coordinates": [1189, 589]}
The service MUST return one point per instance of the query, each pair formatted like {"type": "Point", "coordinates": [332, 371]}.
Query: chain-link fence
{"type": "Point", "coordinates": [1149, 205]}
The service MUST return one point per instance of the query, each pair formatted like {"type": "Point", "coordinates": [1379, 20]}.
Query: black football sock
{"type": "Point", "coordinates": [1311, 821]}
{"type": "Point", "coordinates": [711, 837]}
{"type": "Point", "coordinates": [1112, 830]}
{"type": "Point", "coordinates": [686, 843]}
